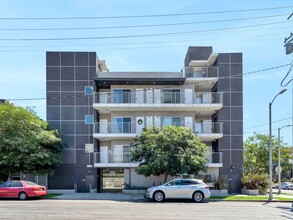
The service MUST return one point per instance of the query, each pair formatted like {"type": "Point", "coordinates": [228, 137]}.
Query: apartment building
{"type": "Point", "coordinates": [98, 112]}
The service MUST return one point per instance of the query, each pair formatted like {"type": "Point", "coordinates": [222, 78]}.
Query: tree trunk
{"type": "Point", "coordinates": [166, 176]}
{"type": "Point", "coordinates": [9, 176]}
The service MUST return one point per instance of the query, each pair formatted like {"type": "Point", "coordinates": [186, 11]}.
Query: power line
{"type": "Point", "coordinates": [260, 131]}
{"type": "Point", "coordinates": [140, 35]}
{"type": "Point", "coordinates": [126, 48]}
{"type": "Point", "coordinates": [146, 16]}
{"type": "Point", "coordinates": [152, 42]}
{"type": "Point", "coordinates": [247, 73]}
{"type": "Point", "coordinates": [136, 43]}
{"type": "Point", "coordinates": [261, 125]}
{"type": "Point", "coordinates": [138, 26]}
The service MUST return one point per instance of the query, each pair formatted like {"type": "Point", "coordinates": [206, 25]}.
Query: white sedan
{"type": "Point", "coordinates": [286, 185]}
{"type": "Point", "coordinates": [193, 189]}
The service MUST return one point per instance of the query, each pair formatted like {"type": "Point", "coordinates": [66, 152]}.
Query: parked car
{"type": "Point", "coordinates": [21, 189]}
{"type": "Point", "coordinates": [285, 185]}
{"type": "Point", "coordinates": [193, 189]}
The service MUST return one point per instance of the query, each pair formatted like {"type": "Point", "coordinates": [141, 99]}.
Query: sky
{"type": "Point", "coordinates": [255, 28]}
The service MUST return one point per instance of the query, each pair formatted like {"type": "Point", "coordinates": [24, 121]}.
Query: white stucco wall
{"type": "Point", "coordinates": [141, 181]}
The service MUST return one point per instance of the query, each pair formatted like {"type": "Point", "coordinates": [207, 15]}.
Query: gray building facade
{"type": "Point", "coordinates": [230, 82]}
{"type": "Point", "coordinates": [70, 74]}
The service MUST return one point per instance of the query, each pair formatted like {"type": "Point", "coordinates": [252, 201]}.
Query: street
{"type": "Point", "coordinates": [97, 209]}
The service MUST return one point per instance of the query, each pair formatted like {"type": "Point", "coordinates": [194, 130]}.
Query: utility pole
{"type": "Point", "coordinates": [288, 44]}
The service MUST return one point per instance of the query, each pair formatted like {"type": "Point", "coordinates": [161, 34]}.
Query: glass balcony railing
{"type": "Point", "coordinates": [201, 72]}
{"type": "Point", "coordinates": [215, 157]}
{"type": "Point", "coordinates": [112, 157]}
{"type": "Point", "coordinates": [208, 127]}
{"type": "Point", "coordinates": [125, 157]}
{"type": "Point", "coordinates": [135, 128]}
{"type": "Point", "coordinates": [157, 97]}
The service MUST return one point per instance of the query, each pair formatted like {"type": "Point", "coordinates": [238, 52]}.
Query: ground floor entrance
{"type": "Point", "coordinates": [113, 180]}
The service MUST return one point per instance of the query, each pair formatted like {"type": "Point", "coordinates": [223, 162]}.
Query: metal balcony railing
{"type": "Point", "coordinates": [204, 127]}
{"type": "Point", "coordinates": [199, 72]}
{"type": "Point", "coordinates": [157, 97]}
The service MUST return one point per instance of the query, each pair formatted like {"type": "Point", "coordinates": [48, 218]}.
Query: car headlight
{"type": "Point", "coordinates": [149, 189]}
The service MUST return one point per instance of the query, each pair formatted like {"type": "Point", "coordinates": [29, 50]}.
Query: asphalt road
{"type": "Point", "coordinates": [97, 209]}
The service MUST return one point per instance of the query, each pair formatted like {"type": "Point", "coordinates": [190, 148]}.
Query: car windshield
{"type": "Point", "coordinates": [31, 183]}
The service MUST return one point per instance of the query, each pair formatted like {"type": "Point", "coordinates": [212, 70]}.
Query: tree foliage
{"type": "Point", "coordinates": [26, 144]}
{"type": "Point", "coordinates": [171, 151]}
{"type": "Point", "coordinates": [256, 154]}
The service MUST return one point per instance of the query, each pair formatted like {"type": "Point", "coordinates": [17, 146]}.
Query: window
{"type": "Point", "coordinates": [31, 183]}
{"type": "Point", "coordinates": [88, 90]}
{"type": "Point", "coordinates": [16, 184]}
{"type": "Point", "coordinates": [122, 125]}
{"type": "Point", "coordinates": [5, 184]}
{"type": "Point", "coordinates": [171, 96]}
{"type": "Point", "coordinates": [199, 127]}
{"type": "Point", "coordinates": [89, 119]}
{"type": "Point", "coordinates": [122, 96]}
{"type": "Point", "coordinates": [173, 183]}
{"type": "Point", "coordinates": [188, 182]}
{"type": "Point", "coordinates": [167, 121]}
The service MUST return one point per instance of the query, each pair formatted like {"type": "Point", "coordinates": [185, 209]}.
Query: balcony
{"type": "Point", "coordinates": [123, 160]}
{"type": "Point", "coordinates": [113, 160]}
{"type": "Point", "coordinates": [207, 131]}
{"type": "Point", "coordinates": [204, 77]}
{"type": "Point", "coordinates": [215, 159]}
{"type": "Point", "coordinates": [204, 103]}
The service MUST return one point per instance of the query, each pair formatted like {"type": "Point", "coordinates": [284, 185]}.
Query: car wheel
{"type": "Point", "coordinates": [22, 196]}
{"type": "Point", "coordinates": [159, 196]}
{"type": "Point", "coordinates": [287, 188]}
{"type": "Point", "coordinates": [198, 196]}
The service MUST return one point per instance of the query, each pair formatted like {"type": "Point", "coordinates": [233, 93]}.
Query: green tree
{"type": "Point", "coordinates": [26, 143]}
{"type": "Point", "coordinates": [256, 154]}
{"type": "Point", "coordinates": [172, 151]}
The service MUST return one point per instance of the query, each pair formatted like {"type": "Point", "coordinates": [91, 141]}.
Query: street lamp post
{"type": "Point", "coordinates": [270, 145]}
{"type": "Point", "coordinates": [279, 157]}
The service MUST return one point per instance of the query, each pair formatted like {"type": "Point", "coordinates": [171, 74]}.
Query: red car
{"type": "Point", "coordinates": [21, 189]}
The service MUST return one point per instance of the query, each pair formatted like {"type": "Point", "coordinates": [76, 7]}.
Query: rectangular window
{"type": "Point", "coordinates": [167, 121]}
{"type": "Point", "coordinates": [171, 96]}
{"type": "Point", "coordinates": [122, 125]}
{"type": "Point", "coordinates": [89, 119]}
{"type": "Point", "coordinates": [199, 127]}
{"type": "Point", "coordinates": [88, 90]}
{"type": "Point", "coordinates": [122, 96]}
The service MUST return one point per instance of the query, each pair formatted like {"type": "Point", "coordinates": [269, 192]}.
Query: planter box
{"type": "Point", "coordinates": [250, 191]}
{"type": "Point", "coordinates": [217, 192]}
{"type": "Point", "coordinates": [134, 191]}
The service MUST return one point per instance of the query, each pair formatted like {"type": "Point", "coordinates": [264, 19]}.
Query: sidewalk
{"type": "Point", "coordinates": [98, 196]}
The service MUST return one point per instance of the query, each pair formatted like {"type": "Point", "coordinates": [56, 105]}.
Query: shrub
{"type": "Point", "coordinates": [220, 183]}
{"type": "Point", "coordinates": [291, 180]}
{"type": "Point", "coordinates": [255, 181]}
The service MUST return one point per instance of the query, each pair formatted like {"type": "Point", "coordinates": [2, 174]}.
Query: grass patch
{"type": "Point", "coordinates": [249, 198]}
{"type": "Point", "coordinates": [52, 195]}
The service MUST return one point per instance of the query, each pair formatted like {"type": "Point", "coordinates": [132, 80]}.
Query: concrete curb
{"type": "Point", "coordinates": [267, 201]}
